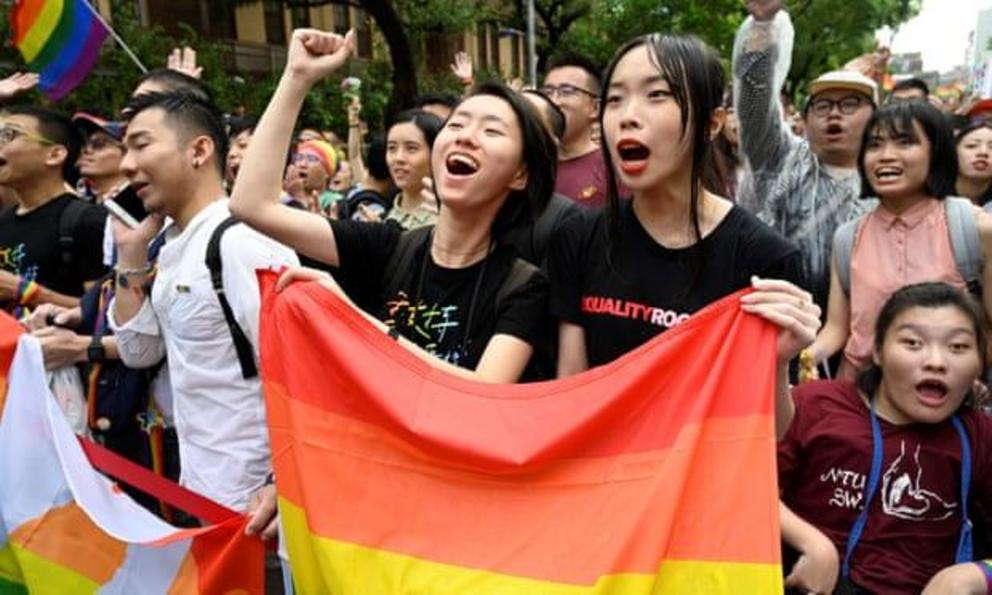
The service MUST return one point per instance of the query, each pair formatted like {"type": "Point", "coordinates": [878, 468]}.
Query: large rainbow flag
{"type": "Point", "coordinates": [655, 474]}
{"type": "Point", "coordinates": [59, 39]}
{"type": "Point", "coordinates": [67, 530]}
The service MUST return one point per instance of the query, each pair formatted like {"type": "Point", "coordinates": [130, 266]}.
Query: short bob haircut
{"type": "Point", "coordinates": [922, 295]}
{"type": "Point", "coordinates": [959, 138]}
{"type": "Point", "coordinates": [896, 120]}
{"type": "Point", "coordinates": [540, 157]}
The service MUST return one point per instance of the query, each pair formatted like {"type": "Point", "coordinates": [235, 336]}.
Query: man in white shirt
{"type": "Point", "coordinates": [176, 150]}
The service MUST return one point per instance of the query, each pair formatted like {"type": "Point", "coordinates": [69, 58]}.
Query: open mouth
{"type": "Point", "coordinates": [138, 187]}
{"type": "Point", "coordinates": [631, 150]}
{"type": "Point", "coordinates": [885, 174]}
{"type": "Point", "coordinates": [932, 392]}
{"type": "Point", "coordinates": [459, 164]}
{"type": "Point", "coordinates": [833, 129]}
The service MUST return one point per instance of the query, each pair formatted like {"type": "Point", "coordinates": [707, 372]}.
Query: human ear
{"type": "Point", "coordinates": [57, 154]}
{"type": "Point", "coordinates": [519, 181]}
{"type": "Point", "coordinates": [717, 121]}
{"type": "Point", "coordinates": [202, 149]}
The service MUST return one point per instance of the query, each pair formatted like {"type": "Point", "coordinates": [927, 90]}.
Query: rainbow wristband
{"type": "Point", "coordinates": [986, 566]}
{"type": "Point", "coordinates": [27, 291]}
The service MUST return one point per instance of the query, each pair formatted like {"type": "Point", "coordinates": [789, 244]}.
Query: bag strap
{"type": "Point", "coordinates": [843, 246]}
{"type": "Point", "coordinates": [965, 550]}
{"type": "Point", "coordinates": [402, 259]}
{"type": "Point", "coordinates": [68, 222]}
{"type": "Point", "coordinates": [966, 242]}
{"type": "Point", "coordinates": [520, 272]}
{"type": "Point", "coordinates": [246, 354]}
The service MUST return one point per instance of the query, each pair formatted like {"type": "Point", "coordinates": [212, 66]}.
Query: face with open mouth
{"type": "Point", "coordinates": [22, 157]}
{"type": "Point", "coordinates": [642, 124]}
{"type": "Point", "coordinates": [929, 361]}
{"type": "Point", "coordinates": [836, 132]}
{"type": "Point", "coordinates": [478, 155]}
{"type": "Point", "coordinates": [975, 154]}
{"type": "Point", "coordinates": [897, 163]}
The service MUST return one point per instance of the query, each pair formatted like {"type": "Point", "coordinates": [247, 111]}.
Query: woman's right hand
{"type": "Point", "coordinates": [315, 54]}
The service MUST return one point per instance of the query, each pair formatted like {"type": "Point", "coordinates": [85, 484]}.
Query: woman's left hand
{"type": "Point", "coordinates": [788, 306]}
{"type": "Point", "coordinates": [294, 274]}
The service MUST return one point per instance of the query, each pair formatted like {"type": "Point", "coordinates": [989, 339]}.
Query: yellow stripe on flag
{"type": "Point", "coordinates": [322, 565]}
{"type": "Point", "coordinates": [44, 577]}
{"type": "Point", "coordinates": [41, 30]}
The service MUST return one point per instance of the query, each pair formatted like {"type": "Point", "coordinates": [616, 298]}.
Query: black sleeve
{"type": "Point", "coordinates": [363, 250]}
{"type": "Point", "coordinates": [564, 268]}
{"type": "Point", "coordinates": [523, 312]}
{"type": "Point", "coordinates": [769, 255]}
{"type": "Point", "coordinates": [88, 243]}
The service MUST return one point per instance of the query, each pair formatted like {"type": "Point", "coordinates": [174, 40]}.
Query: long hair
{"type": "Point", "coordinates": [696, 79]}
{"type": "Point", "coordinates": [959, 138]}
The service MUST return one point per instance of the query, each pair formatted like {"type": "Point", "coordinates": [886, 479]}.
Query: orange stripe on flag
{"type": "Point", "coordinates": [10, 334]}
{"type": "Point", "coordinates": [610, 515]}
{"type": "Point", "coordinates": [62, 533]}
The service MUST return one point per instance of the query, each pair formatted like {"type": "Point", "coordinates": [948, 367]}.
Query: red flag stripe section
{"type": "Point", "coordinates": [408, 503]}
{"type": "Point", "coordinates": [503, 426]}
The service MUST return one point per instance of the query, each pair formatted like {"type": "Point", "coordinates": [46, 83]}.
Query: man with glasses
{"type": "Point", "coordinates": [803, 187]}
{"type": "Point", "coordinates": [573, 84]}
{"type": "Point", "coordinates": [51, 242]}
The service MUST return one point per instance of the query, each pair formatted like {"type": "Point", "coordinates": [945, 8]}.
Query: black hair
{"type": "Point", "coordinates": [191, 114]}
{"type": "Point", "coordinates": [696, 78]}
{"type": "Point", "coordinates": [446, 99]}
{"type": "Point", "coordinates": [959, 137]}
{"type": "Point", "coordinates": [912, 84]}
{"type": "Point", "coordinates": [57, 128]}
{"type": "Point", "coordinates": [580, 61]}
{"type": "Point", "coordinates": [375, 157]}
{"type": "Point", "coordinates": [238, 124]}
{"type": "Point", "coordinates": [173, 81]}
{"type": "Point", "coordinates": [896, 120]}
{"type": "Point", "coordinates": [540, 158]}
{"type": "Point", "coordinates": [428, 124]}
{"type": "Point", "coordinates": [922, 295]}
{"type": "Point", "coordinates": [553, 113]}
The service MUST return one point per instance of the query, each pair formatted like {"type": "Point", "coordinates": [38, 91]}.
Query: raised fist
{"type": "Point", "coordinates": [314, 54]}
{"type": "Point", "coordinates": [764, 10]}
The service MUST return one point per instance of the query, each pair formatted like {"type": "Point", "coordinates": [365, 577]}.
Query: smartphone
{"type": "Point", "coordinates": [127, 207]}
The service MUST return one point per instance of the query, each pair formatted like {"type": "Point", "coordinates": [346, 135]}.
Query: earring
{"type": "Point", "coordinates": [196, 164]}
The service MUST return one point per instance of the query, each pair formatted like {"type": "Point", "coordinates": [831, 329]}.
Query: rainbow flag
{"type": "Point", "coordinates": [67, 530]}
{"type": "Point", "coordinates": [655, 474]}
{"type": "Point", "coordinates": [59, 39]}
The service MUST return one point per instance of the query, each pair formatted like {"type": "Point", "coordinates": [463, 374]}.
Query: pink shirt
{"type": "Point", "coordinates": [583, 179]}
{"type": "Point", "coordinates": [891, 251]}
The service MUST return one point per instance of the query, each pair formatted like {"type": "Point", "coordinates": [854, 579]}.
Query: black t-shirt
{"type": "Point", "coordinates": [29, 245]}
{"type": "Point", "coordinates": [432, 305]}
{"type": "Point", "coordinates": [623, 300]}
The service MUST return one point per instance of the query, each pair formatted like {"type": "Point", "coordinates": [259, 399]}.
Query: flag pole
{"type": "Point", "coordinates": [116, 37]}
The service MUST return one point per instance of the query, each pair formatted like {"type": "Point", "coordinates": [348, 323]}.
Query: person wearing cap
{"type": "Point", "coordinates": [803, 187]}
{"type": "Point", "coordinates": [100, 158]}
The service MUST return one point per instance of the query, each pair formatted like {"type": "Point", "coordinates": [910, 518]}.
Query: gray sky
{"type": "Point", "coordinates": [940, 31]}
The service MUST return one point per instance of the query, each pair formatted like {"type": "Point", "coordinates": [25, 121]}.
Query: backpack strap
{"type": "Point", "coordinates": [521, 272]}
{"type": "Point", "coordinates": [246, 355]}
{"type": "Point", "coordinates": [68, 222]}
{"type": "Point", "coordinates": [402, 259]}
{"type": "Point", "coordinates": [962, 227]}
{"type": "Point", "coordinates": [843, 246]}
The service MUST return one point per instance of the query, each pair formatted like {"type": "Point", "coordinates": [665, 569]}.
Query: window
{"type": "Point", "coordinates": [342, 19]}
{"type": "Point", "coordinates": [275, 26]}
{"type": "Point", "coordinates": [300, 17]}
{"type": "Point", "coordinates": [364, 32]}
{"type": "Point", "coordinates": [494, 62]}
{"type": "Point", "coordinates": [483, 58]}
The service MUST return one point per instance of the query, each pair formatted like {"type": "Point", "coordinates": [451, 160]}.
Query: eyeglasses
{"type": "Point", "coordinates": [846, 105]}
{"type": "Point", "coordinates": [305, 158]}
{"type": "Point", "coordinates": [98, 143]}
{"type": "Point", "coordinates": [566, 91]}
{"type": "Point", "coordinates": [9, 132]}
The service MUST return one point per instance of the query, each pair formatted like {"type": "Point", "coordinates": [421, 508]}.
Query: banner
{"type": "Point", "coordinates": [65, 529]}
{"type": "Point", "coordinates": [654, 474]}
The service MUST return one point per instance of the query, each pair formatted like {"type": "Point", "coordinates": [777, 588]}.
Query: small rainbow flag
{"type": "Point", "coordinates": [59, 39]}
{"type": "Point", "coordinates": [67, 530]}
{"type": "Point", "coordinates": [654, 474]}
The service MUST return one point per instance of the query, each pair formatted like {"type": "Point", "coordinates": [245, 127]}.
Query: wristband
{"type": "Point", "coordinates": [121, 275]}
{"type": "Point", "coordinates": [26, 291]}
{"type": "Point", "coordinates": [986, 566]}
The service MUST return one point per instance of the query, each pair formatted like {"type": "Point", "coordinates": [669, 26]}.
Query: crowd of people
{"type": "Point", "coordinates": [519, 234]}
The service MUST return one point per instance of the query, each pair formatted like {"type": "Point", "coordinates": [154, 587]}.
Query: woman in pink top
{"type": "Point", "coordinates": [908, 160]}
